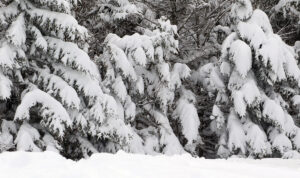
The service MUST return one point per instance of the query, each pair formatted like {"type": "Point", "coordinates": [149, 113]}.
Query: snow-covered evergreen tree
{"type": "Point", "coordinates": [43, 49]}
{"type": "Point", "coordinates": [255, 82]}
{"type": "Point", "coordinates": [139, 72]}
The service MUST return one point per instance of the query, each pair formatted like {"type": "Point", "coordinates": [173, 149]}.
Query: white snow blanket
{"type": "Point", "coordinates": [123, 165]}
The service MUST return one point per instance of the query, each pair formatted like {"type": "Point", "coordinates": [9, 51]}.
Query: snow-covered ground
{"type": "Point", "coordinates": [122, 165]}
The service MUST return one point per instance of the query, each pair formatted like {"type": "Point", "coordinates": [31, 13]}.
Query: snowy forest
{"type": "Point", "coordinates": [211, 78]}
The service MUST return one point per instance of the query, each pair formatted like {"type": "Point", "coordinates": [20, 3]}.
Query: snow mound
{"type": "Point", "coordinates": [123, 165]}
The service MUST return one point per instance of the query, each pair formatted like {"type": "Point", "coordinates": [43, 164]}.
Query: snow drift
{"type": "Point", "coordinates": [123, 165]}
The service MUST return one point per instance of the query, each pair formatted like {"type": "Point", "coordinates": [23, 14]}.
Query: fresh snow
{"type": "Point", "coordinates": [241, 56]}
{"type": "Point", "coordinates": [242, 10]}
{"type": "Point", "coordinates": [123, 165]}
{"type": "Point", "coordinates": [53, 113]}
{"type": "Point", "coordinates": [133, 92]}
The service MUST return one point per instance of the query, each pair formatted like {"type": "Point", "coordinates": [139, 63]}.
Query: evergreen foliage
{"type": "Point", "coordinates": [81, 77]}
{"type": "Point", "coordinates": [256, 80]}
{"type": "Point", "coordinates": [43, 49]}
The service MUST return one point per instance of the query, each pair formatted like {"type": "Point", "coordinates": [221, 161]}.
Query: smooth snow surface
{"type": "Point", "coordinates": [123, 165]}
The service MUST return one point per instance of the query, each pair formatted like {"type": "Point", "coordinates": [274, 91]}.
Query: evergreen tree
{"type": "Point", "coordinates": [147, 85]}
{"type": "Point", "coordinates": [256, 83]}
{"type": "Point", "coordinates": [44, 65]}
